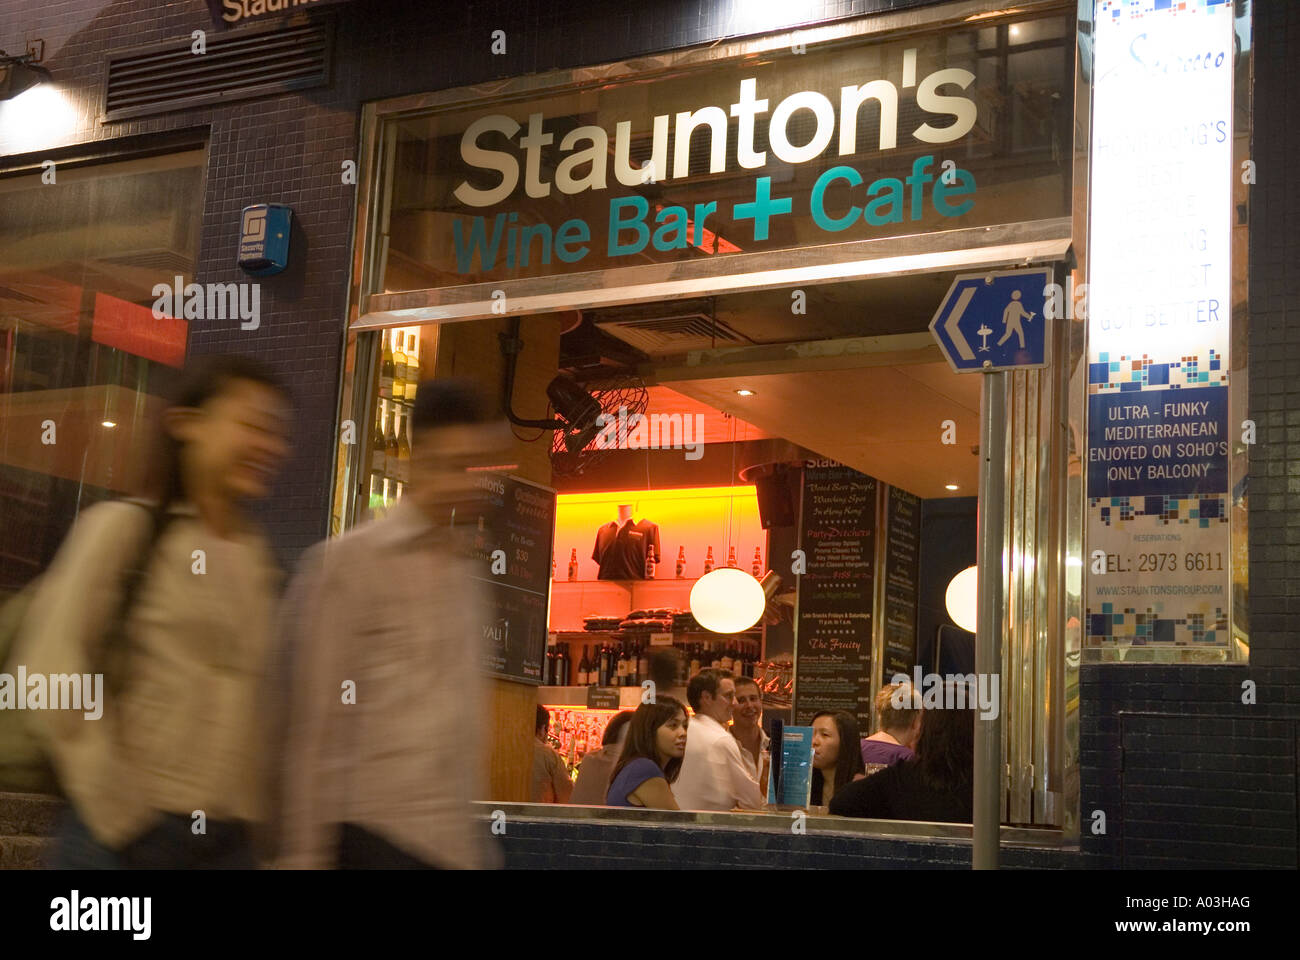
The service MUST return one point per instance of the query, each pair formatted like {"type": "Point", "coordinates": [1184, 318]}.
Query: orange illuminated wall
{"type": "Point", "coordinates": [695, 518]}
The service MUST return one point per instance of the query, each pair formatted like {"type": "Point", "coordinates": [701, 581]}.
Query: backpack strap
{"type": "Point", "coordinates": [117, 643]}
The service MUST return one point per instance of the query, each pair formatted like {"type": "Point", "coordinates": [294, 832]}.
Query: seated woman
{"type": "Point", "coordinates": [836, 762]}
{"type": "Point", "coordinates": [898, 715]}
{"type": "Point", "coordinates": [651, 758]}
{"type": "Point", "coordinates": [596, 768]}
{"type": "Point", "coordinates": [935, 785]}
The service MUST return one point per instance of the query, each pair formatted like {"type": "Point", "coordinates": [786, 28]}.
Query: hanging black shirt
{"type": "Point", "coordinates": [621, 549]}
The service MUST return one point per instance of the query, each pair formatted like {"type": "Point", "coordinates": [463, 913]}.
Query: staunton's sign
{"type": "Point", "coordinates": [591, 156]}
{"type": "Point", "coordinates": [849, 141]}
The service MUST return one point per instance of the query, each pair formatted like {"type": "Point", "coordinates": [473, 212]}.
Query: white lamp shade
{"type": "Point", "coordinates": [727, 600]}
{"type": "Point", "coordinates": [962, 598]}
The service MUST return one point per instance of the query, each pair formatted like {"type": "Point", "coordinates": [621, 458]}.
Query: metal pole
{"type": "Point", "coordinates": [988, 632]}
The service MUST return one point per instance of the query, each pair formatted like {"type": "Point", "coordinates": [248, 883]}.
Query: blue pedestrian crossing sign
{"type": "Point", "coordinates": [994, 321]}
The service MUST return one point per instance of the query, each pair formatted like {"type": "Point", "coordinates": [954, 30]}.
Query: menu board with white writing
{"type": "Point", "coordinates": [902, 569]}
{"type": "Point", "coordinates": [833, 629]}
{"type": "Point", "coordinates": [515, 524]}
{"type": "Point", "coordinates": [1159, 327]}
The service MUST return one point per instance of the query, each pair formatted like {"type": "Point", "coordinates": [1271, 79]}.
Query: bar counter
{"type": "Point", "coordinates": [555, 836]}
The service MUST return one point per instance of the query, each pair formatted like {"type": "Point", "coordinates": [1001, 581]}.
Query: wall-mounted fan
{"type": "Point", "coordinates": [583, 411]}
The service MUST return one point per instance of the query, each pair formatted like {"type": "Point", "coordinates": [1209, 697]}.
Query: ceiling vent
{"type": "Point", "coordinates": [663, 329]}
{"type": "Point", "coordinates": [236, 66]}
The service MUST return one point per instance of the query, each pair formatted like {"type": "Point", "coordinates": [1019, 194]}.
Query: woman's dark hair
{"type": "Point", "coordinates": [640, 742]}
{"type": "Point", "coordinates": [849, 761]}
{"type": "Point", "coordinates": [616, 723]}
{"type": "Point", "coordinates": [543, 720]}
{"type": "Point", "coordinates": [202, 379]}
{"type": "Point", "coordinates": [945, 750]}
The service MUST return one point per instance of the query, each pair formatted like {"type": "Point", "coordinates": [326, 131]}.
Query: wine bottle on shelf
{"type": "Point", "coordinates": [602, 671]}
{"type": "Point", "coordinates": [715, 656]}
{"type": "Point", "coordinates": [403, 450]}
{"type": "Point", "coordinates": [563, 664]}
{"type": "Point", "coordinates": [391, 453]}
{"type": "Point", "coordinates": [757, 567]}
{"type": "Point", "coordinates": [731, 556]}
{"type": "Point", "coordinates": [642, 664]}
{"type": "Point", "coordinates": [386, 366]}
{"type": "Point", "coordinates": [649, 565]}
{"type": "Point", "coordinates": [399, 366]}
{"type": "Point", "coordinates": [377, 442]}
{"type": "Point", "coordinates": [681, 562]}
{"type": "Point", "coordinates": [620, 671]}
{"type": "Point", "coordinates": [695, 659]}
{"type": "Point", "coordinates": [548, 670]}
{"type": "Point", "coordinates": [708, 561]}
{"type": "Point", "coordinates": [573, 564]}
{"type": "Point", "coordinates": [412, 366]}
{"type": "Point", "coordinates": [584, 667]}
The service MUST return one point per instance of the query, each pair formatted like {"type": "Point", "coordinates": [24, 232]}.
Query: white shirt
{"type": "Point", "coordinates": [714, 775]}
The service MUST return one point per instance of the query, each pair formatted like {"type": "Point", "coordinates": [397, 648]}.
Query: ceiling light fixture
{"type": "Point", "coordinates": [108, 423]}
{"type": "Point", "coordinates": [744, 392]}
{"type": "Point", "coordinates": [950, 486]}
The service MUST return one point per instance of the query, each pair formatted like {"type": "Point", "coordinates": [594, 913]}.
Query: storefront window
{"type": "Point", "coordinates": [84, 351]}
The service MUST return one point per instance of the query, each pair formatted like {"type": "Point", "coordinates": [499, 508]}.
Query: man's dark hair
{"type": "Point", "coordinates": [706, 680]}
{"type": "Point", "coordinates": [663, 667]}
{"type": "Point", "coordinates": [749, 680]}
{"type": "Point", "coordinates": [543, 715]}
{"type": "Point", "coordinates": [616, 723]}
{"type": "Point", "coordinates": [449, 402]}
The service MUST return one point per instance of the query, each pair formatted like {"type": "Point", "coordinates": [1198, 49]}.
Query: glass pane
{"type": "Point", "coordinates": [83, 354]}
{"type": "Point", "coordinates": [556, 184]}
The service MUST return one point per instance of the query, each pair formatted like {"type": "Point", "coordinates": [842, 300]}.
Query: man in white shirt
{"type": "Point", "coordinates": [714, 775]}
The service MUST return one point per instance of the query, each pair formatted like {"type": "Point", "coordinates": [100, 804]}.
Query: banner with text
{"type": "Point", "coordinates": [1157, 569]}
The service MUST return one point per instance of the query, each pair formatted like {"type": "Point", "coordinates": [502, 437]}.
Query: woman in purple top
{"type": "Point", "coordinates": [898, 715]}
{"type": "Point", "coordinates": [651, 758]}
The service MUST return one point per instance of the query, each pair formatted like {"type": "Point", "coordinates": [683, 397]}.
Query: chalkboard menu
{"type": "Point", "coordinates": [517, 518]}
{"type": "Point", "coordinates": [833, 632]}
{"type": "Point", "coordinates": [902, 568]}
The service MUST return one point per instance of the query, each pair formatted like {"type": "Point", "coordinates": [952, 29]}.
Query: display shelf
{"type": "Point", "coordinates": [575, 698]}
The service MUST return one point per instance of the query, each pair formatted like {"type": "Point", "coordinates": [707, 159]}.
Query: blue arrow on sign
{"type": "Point", "coordinates": [994, 321]}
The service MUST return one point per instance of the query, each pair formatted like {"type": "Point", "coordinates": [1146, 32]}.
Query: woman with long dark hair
{"type": "Point", "coordinates": [936, 784]}
{"type": "Point", "coordinates": [651, 757]}
{"type": "Point", "coordinates": [170, 600]}
{"type": "Point", "coordinates": [837, 759]}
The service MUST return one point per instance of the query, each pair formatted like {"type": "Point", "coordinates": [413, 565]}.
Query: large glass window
{"type": "Point", "coordinates": [83, 354]}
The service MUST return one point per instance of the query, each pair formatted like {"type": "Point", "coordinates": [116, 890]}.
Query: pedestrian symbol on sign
{"type": "Point", "coordinates": [1012, 314]}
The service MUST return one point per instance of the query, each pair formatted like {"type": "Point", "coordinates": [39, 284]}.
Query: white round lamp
{"type": "Point", "coordinates": [962, 598]}
{"type": "Point", "coordinates": [727, 600]}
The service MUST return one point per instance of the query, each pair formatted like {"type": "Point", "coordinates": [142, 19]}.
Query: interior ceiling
{"type": "Point", "coordinates": [885, 421]}
{"type": "Point", "coordinates": [875, 307]}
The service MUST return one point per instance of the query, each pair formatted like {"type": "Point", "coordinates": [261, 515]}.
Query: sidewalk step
{"type": "Point", "coordinates": [23, 853]}
{"type": "Point", "coordinates": [28, 814]}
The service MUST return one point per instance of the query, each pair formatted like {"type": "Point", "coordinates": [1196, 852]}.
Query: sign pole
{"type": "Point", "coordinates": [988, 768]}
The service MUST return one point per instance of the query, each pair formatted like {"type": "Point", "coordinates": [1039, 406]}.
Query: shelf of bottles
{"type": "Point", "coordinates": [390, 434]}
{"type": "Point", "coordinates": [619, 660]}
{"type": "Point", "coordinates": [576, 731]}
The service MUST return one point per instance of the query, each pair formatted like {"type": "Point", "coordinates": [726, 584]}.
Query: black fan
{"type": "Point", "coordinates": [592, 413]}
